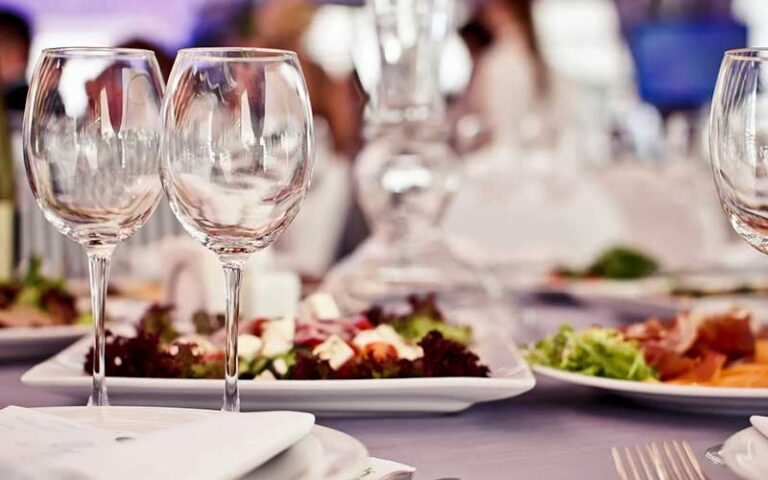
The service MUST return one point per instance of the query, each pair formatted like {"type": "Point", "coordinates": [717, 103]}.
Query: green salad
{"type": "Point", "coordinates": [34, 300]}
{"type": "Point", "coordinates": [600, 352]}
{"type": "Point", "coordinates": [616, 263]}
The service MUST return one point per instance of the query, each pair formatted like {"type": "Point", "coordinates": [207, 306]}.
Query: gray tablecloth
{"type": "Point", "coordinates": [555, 432]}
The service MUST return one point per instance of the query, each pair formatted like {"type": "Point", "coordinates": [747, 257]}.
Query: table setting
{"type": "Point", "coordinates": [428, 352]}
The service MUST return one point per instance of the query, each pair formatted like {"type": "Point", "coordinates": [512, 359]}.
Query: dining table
{"type": "Point", "coordinates": [556, 431]}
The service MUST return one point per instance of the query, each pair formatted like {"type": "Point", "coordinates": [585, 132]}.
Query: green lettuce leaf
{"type": "Point", "coordinates": [417, 326]}
{"type": "Point", "coordinates": [600, 352]}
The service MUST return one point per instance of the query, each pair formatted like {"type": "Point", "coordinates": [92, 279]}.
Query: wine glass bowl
{"type": "Point", "coordinates": [91, 137]}
{"type": "Point", "coordinates": [408, 172]}
{"type": "Point", "coordinates": [739, 143]}
{"type": "Point", "coordinates": [237, 158]}
{"type": "Point", "coordinates": [238, 155]}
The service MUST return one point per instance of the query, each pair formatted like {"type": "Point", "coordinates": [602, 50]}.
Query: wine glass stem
{"type": "Point", "coordinates": [98, 267]}
{"type": "Point", "coordinates": [233, 274]}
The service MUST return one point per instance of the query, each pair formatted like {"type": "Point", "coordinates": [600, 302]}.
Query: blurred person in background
{"type": "Point", "coordinates": [635, 12]}
{"type": "Point", "coordinates": [312, 243]}
{"type": "Point", "coordinates": [675, 82]}
{"type": "Point", "coordinates": [162, 223]}
{"type": "Point", "coordinates": [282, 24]}
{"type": "Point", "coordinates": [222, 24]}
{"type": "Point", "coordinates": [509, 76]}
{"type": "Point", "coordinates": [15, 40]}
{"type": "Point", "coordinates": [526, 175]}
{"type": "Point", "coordinates": [164, 61]}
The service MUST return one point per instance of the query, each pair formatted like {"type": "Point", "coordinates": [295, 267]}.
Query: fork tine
{"type": "Point", "coordinates": [647, 471]}
{"type": "Point", "coordinates": [632, 466]}
{"type": "Point", "coordinates": [682, 458]}
{"type": "Point", "coordinates": [675, 460]}
{"type": "Point", "coordinates": [618, 464]}
{"type": "Point", "coordinates": [671, 460]}
{"type": "Point", "coordinates": [658, 461]}
{"type": "Point", "coordinates": [695, 463]}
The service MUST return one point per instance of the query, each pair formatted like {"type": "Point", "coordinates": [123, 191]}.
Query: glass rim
{"type": "Point", "coordinates": [239, 54]}
{"type": "Point", "coordinates": [748, 53]}
{"type": "Point", "coordinates": [97, 52]}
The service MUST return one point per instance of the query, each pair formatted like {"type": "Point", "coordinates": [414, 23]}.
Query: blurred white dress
{"type": "Point", "coordinates": [309, 245]}
{"type": "Point", "coordinates": [541, 200]}
{"type": "Point", "coordinates": [502, 89]}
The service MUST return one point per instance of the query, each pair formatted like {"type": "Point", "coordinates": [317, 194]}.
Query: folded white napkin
{"type": "Point", "coordinates": [36, 445]}
{"type": "Point", "coordinates": [760, 424]}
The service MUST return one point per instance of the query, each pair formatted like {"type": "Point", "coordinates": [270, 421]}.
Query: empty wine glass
{"type": "Point", "coordinates": [738, 140]}
{"type": "Point", "coordinates": [237, 159]}
{"type": "Point", "coordinates": [91, 138]}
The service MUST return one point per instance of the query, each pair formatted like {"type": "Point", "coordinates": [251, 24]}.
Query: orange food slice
{"type": "Point", "coordinates": [708, 370]}
{"type": "Point", "coordinates": [761, 351]}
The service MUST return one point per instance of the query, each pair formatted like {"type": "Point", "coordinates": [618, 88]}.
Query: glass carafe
{"type": "Point", "coordinates": [408, 172]}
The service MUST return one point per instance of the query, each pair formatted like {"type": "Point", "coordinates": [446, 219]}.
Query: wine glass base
{"type": "Point", "coordinates": [98, 401]}
{"type": "Point", "coordinates": [231, 404]}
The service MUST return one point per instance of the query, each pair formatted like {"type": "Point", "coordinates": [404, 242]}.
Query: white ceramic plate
{"type": "Point", "coordinates": [39, 342]}
{"type": "Point", "coordinates": [662, 285]}
{"type": "Point", "coordinates": [511, 376]}
{"type": "Point", "coordinates": [714, 400]}
{"type": "Point", "coordinates": [627, 289]}
{"type": "Point", "coordinates": [654, 295]}
{"type": "Point", "coordinates": [746, 453]}
{"type": "Point", "coordinates": [326, 454]}
{"type": "Point", "coordinates": [24, 343]}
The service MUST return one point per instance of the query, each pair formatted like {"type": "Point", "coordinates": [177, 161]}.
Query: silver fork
{"type": "Point", "coordinates": [672, 461]}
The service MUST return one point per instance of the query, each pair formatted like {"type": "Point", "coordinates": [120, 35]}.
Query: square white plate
{"type": "Point", "coordinates": [510, 376]}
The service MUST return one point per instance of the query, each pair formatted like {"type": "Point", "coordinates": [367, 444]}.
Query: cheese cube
{"type": "Point", "coordinates": [248, 346]}
{"type": "Point", "coordinates": [278, 336]}
{"type": "Point", "coordinates": [322, 306]}
{"type": "Point", "coordinates": [335, 351]}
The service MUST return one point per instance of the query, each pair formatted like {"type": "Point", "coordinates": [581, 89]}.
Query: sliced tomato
{"type": "Point", "coordinates": [213, 356]}
{"type": "Point", "coordinates": [254, 327]}
{"type": "Point", "coordinates": [362, 323]}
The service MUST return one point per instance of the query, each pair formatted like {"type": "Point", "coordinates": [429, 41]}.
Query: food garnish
{"type": "Point", "coordinates": [616, 263]}
{"type": "Point", "coordinates": [375, 344]}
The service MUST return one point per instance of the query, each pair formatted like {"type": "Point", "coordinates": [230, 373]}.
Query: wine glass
{"type": "Point", "coordinates": [237, 159]}
{"type": "Point", "coordinates": [738, 150]}
{"type": "Point", "coordinates": [738, 140]}
{"type": "Point", "coordinates": [91, 138]}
